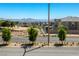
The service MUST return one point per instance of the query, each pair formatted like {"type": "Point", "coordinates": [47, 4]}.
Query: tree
{"type": "Point", "coordinates": [6, 34]}
{"type": "Point", "coordinates": [62, 33]}
{"type": "Point", "coordinates": [12, 24]}
{"type": "Point", "coordinates": [32, 34]}
{"type": "Point", "coordinates": [1, 21]}
{"type": "Point", "coordinates": [6, 24]}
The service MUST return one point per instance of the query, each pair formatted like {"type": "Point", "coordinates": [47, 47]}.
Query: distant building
{"type": "Point", "coordinates": [72, 23]}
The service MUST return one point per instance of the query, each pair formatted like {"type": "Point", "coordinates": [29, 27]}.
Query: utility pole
{"type": "Point", "coordinates": [48, 23]}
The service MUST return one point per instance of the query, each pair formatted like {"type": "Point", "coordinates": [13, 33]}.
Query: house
{"type": "Point", "coordinates": [72, 23]}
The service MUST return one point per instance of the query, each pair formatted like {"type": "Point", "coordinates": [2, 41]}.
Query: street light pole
{"type": "Point", "coordinates": [48, 23]}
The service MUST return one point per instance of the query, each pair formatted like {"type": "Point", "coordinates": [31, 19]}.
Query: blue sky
{"type": "Point", "coordinates": [38, 10]}
{"type": "Point", "coordinates": [60, 10]}
{"type": "Point", "coordinates": [21, 10]}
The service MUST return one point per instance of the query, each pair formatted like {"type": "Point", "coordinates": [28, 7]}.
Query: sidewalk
{"type": "Point", "coordinates": [72, 35]}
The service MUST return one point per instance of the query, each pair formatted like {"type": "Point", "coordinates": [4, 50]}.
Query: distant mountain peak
{"type": "Point", "coordinates": [70, 18]}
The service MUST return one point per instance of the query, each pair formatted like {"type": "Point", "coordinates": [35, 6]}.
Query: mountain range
{"type": "Point", "coordinates": [68, 18]}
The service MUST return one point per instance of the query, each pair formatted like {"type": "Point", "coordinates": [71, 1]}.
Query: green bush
{"type": "Point", "coordinates": [12, 24]}
{"type": "Point", "coordinates": [62, 33]}
{"type": "Point", "coordinates": [6, 34]}
{"type": "Point", "coordinates": [32, 34]}
{"type": "Point", "coordinates": [7, 23]}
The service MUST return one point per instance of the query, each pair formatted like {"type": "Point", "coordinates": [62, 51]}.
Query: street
{"type": "Point", "coordinates": [41, 39]}
{"type": "Point", "coordinates": [44, 51]}
{"type": "Point", "coordinates": [55, 51]}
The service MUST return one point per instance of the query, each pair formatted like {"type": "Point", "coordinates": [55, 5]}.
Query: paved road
{"type": "Point", "coordinates": [44, 51]}
{"type": "Point", "coordinates": [4, 51]}
{"type": "Point", "coordinates": [40, 39]}
{"type": "Point", "coordinates": [55, 51]}
{"type": "Point", "coordinates": [43, 39]}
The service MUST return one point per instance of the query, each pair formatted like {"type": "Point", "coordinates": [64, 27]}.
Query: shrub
{"type": "Point", "coordinates": [12, 24]}
{"type": "Point", "coordinates": [62, 33]}
{"type": "Point", "coordinates": [32, 34]}
{"type": "Point", "coordinates": [6, 34]}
